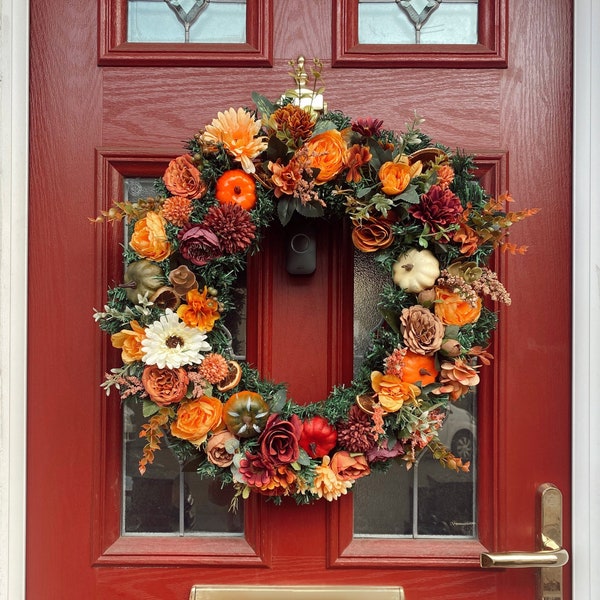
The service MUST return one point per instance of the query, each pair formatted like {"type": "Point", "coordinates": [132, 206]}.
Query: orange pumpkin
{"type": "Point", "coordinates": [236, 187]}
{"type": "Point", "coordinates": [416, 367]}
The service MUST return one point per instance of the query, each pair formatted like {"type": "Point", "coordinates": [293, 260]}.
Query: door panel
{"type": "Point", "coordinates": [81, 111]}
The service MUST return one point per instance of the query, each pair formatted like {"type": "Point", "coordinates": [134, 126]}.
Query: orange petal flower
{"type": "Point", "coordinates": [238, 132]}
{"type": "Point", "coordinates": [327, 152]}
{"type": "Point", "coordinates": [130, 342]}
{"type": "Point", "coordinates": [182, 178]}
{"type": "Point", "coordinates": [395, 176]}
{"type": "Point", "coordinates": [452, 309]}
{"type": "Point", "coordinates": [200, 311]}
{"type": "Point", "coordinates": [349, 466]}
{"type": "Point", "coordinates": [149, 238]}
{"type": "Point", "coordinates": [197, 418]}
{"type": "Point", "coordinates": [392, 392]}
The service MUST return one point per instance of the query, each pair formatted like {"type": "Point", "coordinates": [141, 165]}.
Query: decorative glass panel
{"type": "Point", "coordinates": [417, 22]}
{"type": "Point", "coordinates": [181, 21]}
{"type": "Point", "coordinates": [427, 500]}
{"type": "Point", "coordinates": [170, 498]}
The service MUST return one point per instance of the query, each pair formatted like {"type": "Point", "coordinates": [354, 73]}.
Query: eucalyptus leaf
{"type": "Point", "coordinates": [278, 401]}
{"type": "Point", "coordinates": [303, 458]}
{"type": "Point", "coordinates": [264, 105]}
{"type": "Point", "coordinates": [149, 408]}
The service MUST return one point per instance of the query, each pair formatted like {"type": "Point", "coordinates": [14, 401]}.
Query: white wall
{"type": "Point", "coordinates": [13, 281]}
{"type": "Point", "coordinates": [13, 292]}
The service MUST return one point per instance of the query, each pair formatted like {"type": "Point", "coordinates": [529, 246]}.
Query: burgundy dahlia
{"type": "Point", "coordinates": [198, 244]}
{"type": "Point", "coordinates": [356, 434]}
{"type": "Point", "coordinates": [255, 471]}
{"type": "Point", "coordinates": [438, 207]}
{"type": "Point", "coordinates": [232, 225]}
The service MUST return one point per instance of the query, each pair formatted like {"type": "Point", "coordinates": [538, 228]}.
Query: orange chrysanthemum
{"type": "Point", "coordinates": [177, 210]}
{"type": "Point", "coordinates": [445, 176]}
{"type": "Point", "coordinates": [214, 368]}
{"type": "Point", "coordinates": [199, 311]}
{"type": "Point", "coordinates": [238, 132]}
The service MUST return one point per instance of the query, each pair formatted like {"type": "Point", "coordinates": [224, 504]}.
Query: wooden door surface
{"type": "Point", "coordinates": [89, 122]}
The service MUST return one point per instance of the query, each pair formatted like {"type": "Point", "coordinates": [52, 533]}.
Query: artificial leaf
{"type": "Point", "coordinates": [264, 105]}
{"type": "Point", "coordinates": [285, 209]}
{"type": "Point", "coordinates": [310, 209]}
{"type": "Point", "coordinates": [410, 195]}
{"type": "Point", "coordinates": [149, 408]}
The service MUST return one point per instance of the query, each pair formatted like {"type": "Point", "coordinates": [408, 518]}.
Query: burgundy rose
{"type": "Point", "coordinates": [279, 440]}
{"type": "Point", "coordinates": [199, 245]}
{"type": "Point", "coordinates": [438, 207]}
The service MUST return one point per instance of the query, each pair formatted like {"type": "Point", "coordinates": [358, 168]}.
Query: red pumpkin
{"type": "Point", "coordinates": [318, 437]}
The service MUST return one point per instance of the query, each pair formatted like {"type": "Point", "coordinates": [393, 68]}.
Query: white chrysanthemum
{"type": "Point", "coordinates": [170, 343]}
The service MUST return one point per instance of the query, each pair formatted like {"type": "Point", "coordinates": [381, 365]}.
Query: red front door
{"type": "Point", "coordinates": [93, 124]}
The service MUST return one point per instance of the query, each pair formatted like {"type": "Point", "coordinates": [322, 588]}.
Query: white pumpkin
{"type": "Point", "coordinates": [416, 270]}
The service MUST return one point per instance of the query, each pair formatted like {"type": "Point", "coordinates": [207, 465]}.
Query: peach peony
{"type": "Point", "coordinates": [149, 238]}
{"type": "Point", "coordinates": [197, 418]}
{"type": "Point", "coordinates": [327, 152]}
{"type": "Point", "coordinates": [395, 176]}
{"type": "Point", "coordinates": [130, 342]}
{"type": "Point", "coordinates": [182, 178]}
{"type": "Point", "coordinates": [165, 386]}
{"type": "Point", "coordinates": [216, 450]}
{"type": "Point", "coordinates": [348, 466]}
{"type": "Point", "coordinates": [452, 309]}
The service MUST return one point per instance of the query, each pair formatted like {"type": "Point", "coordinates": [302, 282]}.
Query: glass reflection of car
{"type": "Point", "coordinates": [458, 432]}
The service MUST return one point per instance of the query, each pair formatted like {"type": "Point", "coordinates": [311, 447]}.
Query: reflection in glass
{"type": "Point", "coordinates": [170, 498]}
{"type": "Point", "coordinates": [181, 21]}
{"type": "Point", "coordinates": [428, 500]}
{"type": "Point", "coordinates": [417, 22]}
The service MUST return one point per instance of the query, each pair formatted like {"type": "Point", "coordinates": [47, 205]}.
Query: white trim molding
{"type": "Point", "coordinates": [586, 301]}
{"type": "Point", "coordinates": [14, 101]}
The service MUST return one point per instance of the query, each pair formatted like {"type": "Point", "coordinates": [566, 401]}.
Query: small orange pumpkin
{"type": "Point", "coordinates": [236, 187]}
{"type": "Point", "coordinates": [416, 367]}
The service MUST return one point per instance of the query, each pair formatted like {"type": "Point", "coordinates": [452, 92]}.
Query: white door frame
{"type": "Point", "coordinates": [14, 45]}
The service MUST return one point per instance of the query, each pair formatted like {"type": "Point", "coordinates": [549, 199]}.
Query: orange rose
{"type": "Point", "coordinates": [395, 176]}
{"type": "Point", "coordinates": [372, 235]}
{"type": "Point", "coordinates": [392, 392]}
{"type": "Point", "coordinates": [327, 152]}
{"type": "Point", "coordinates": [200, 311]}
{"type": "Point", "coordinates": [197, 418]}
{"type": "Point", "coordinates": [452, 309]}
{"type": "Point", "coordinates": [130, 342]}
{"type": "Point", "coordinates": [182, 178]}
{"type": "Point", "coordinates": [149, 238]}
{"type": "Point", "coordinates": [349, 467]}
{"type": "Point", "coordinates": [165, 386]}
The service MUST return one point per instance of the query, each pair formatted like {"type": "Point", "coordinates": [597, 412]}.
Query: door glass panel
{"type": "Point", "coordinates": [180, 21]}
{"type": "Point", "coordinates": [428, 500]}
{"type": "Point", "coordinates": [417, 22]}
{"type": "Point", "coordinates": [170, 498]}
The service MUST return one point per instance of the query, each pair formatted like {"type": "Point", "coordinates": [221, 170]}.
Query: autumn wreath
{"type": "Point", "coordinates": [414, 207]}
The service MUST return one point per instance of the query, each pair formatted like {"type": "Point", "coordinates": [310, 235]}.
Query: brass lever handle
{"type": "Point", "coordinates": [550, 554]}
{"type": "Point", "coordinates": [516, 560]}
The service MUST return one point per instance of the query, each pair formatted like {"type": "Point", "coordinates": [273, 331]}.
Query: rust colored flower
{"type": "Point", "coordinates": [367, 127]}
{"type": "Point", "coordinates": [256, 471]}
{"type": "Point", "coordinates": [327, 152]}
{"type": "Point", "coordinates": [149, 238]}
{"type": "Point", "coordinates": [279, 440]}
{"type": "Point", "coordinates": [327, 484]}
{"type": "Point", "coordinates": [422, 331]}
{"type": "Point", "coordinates": [200, 310]}
{"type": "Point", "coordinates": [232, 225]}
{"type": "Point", "coordinates": [392, 392]}
{"type": "Point", "coordinates": [130, 342]}
{"type": "Point", "coordinates": [182, 178]}
{"type": "Point", "coordinates": [395, 176]}
{"type": "Point", "coordinates": [438, 207]}
{"type": "Point", "coordinates": [349, 467]}
{"type": "Point", "coordinates": [197, 418]}
{"type": "Point", "coordinates": [294, 121]}
{"type": "Point", "coordinates": [198, 244]}
{"type": "Point", "coordinates": [372, 235]}
{"type": "Point", "coordinates": [356, 433]}
{"type": "Point", "coordinates": [177, 210]}
{"type": "Point", "coordinates": [213, 368]}
{"type": "Point", "coordinates": [165, 386]}
{"type": "Point", "coordinates": [452, 309]}
{"type": "Point", "coordinates": [356, 157]}
{"type": "Point", "coordinates": [394, 363]}
{"type": "Point", "coordinates": [216, 448]}
{"type": "Point", "coordinates": [282, 481]}
{"type": "Point", "coordinates": [468, 239]}
{"type": "Point", "coordinates": [285, 178]}
{"type": "Point", "coordinates": [238, 132]}
{"type": "Point", "coordinates": [445, 176]}
{"type": "Point", "coordinates": [183, 280]}
{"type": "Point", "coordinates": [456, 378]}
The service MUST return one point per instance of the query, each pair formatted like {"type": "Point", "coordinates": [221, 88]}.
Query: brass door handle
{"type": "Point", "coordinates": [550, 555]}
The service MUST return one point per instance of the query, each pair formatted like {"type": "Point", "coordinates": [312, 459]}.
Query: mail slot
{"type": "Point", "coordinates": [295, 592]}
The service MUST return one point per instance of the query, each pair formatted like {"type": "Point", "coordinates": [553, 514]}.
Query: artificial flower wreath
{"type": "Point", "coordinates": [416, 209]}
